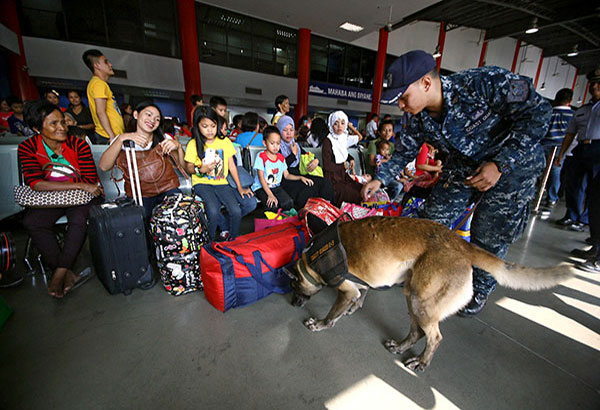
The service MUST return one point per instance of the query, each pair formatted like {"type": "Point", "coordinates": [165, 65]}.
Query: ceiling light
{"type": "Point", "coordinates": [534, 27]}
{"type": "Point", "coordinates": [573, 53]}
{"type": "Point", "coordinates": [355, 28]}
{"type": "Point", "coordinates": [436, 53]}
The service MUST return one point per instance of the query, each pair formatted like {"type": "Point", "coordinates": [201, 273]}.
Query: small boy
{"type": "Point", "coordinates": [270, 168]}
{"type": "Point", "coordinates": [383, 153]}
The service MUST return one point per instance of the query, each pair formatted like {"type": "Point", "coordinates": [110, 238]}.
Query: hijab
{"type": "Point", "coordinates": [339, 142]}
{"type": "Point", "coordinates": [286, 147]}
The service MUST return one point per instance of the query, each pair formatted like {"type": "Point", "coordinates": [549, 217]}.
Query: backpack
{"type": "Point", "coordinates": [179, 228]}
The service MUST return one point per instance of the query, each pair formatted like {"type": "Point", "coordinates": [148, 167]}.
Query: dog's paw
{"type": "Point", "coordinates": [414, 363]}
{"type": "Point", "coordinates": [313, 324]}
{"type": "Point", "coordinates": [392, 346]}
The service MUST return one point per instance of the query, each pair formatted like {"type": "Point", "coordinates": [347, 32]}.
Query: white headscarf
{"type": "Point", "coordinates": [339, 142]}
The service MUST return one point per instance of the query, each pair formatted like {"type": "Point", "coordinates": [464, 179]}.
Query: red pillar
{"type": "Point", "coordinates": [379, 69]}
{"type": "Point", "coordinates": [441, 42]}
{"type": "Point", "coordinates": [587, 86]}
{"type": "Point", "coordinates": [483, 50]}
{"type": "Point", "coordinates": [539, 70]}
{"type": "Point", "coordinates": [190, 61]}
{"type": "Point", "coordinates": [22, 84]}
{"type": "Point", "coordinates": [516, 57]}
{"type": "Point", "coordinates": [575, 79]}
{"type": "Point", "coordinates": [303, 73]}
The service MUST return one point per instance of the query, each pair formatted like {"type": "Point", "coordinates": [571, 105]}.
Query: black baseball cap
{"type": "Point", "coordinates": [407, 69]}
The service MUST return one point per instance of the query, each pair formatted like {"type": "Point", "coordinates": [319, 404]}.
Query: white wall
{"type": "Point", "coordinates": [579, 90]}
{"type": "Point", "coordinates": [500, 52]}
{"type": "Point", "coordinates": [555, 74]}
{"type": "Point", "coordinates": [462, 49]}
{"type": "Point", "coordinates": [528, 61]}
{"type": "Point", "coordinates": [420, 35]}
{"type": "Point", "coordinates": [9, 39]}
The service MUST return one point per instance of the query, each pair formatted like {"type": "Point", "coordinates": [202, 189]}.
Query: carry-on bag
{"type": "Point", "coordinates": [179, 228]}
{"type": "Point", "coordinates": [240, 272]}
{"type": "Point", "coordinates": [118, 243]}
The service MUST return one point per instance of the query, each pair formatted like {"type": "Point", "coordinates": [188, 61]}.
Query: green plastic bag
{"type": "Point", "coordinates": [305, 159]}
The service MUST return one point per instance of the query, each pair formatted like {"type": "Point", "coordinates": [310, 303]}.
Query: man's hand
{"type": "Point", "coordinates": [484, 177]}
{"type": "Point", "coordinates": [558, 160]}
{"type": "Point", "coordinates": [370, 188]}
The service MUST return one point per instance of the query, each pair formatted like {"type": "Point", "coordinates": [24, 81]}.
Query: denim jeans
{"type": "Point", "coordinates": [215, 196]}
{"type": "Point", "coordinates": [151, 202]}
{"type": "Point", "coordinates": [553, 185]}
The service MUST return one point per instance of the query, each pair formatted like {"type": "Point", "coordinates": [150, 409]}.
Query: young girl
{"type": "Point", "coordinates": [147, 136]}
{"type": "Point", "coordinates": [209, 158]}
{"type": "Point", "coordinates": [271, 168]}
{"type": "Point", "coordinates": [335, 154]}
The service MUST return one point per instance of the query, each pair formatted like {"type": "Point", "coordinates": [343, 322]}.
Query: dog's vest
{"type": "Point", "coordinates": [326, 256]}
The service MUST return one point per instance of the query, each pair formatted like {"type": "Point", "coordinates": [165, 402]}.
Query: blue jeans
{"type": "Point", "coordinates": [215, 196]}
{"type": "Point", "coordinates": [151, 202]}
{"type": "Point", "coordinates": [553, 185]}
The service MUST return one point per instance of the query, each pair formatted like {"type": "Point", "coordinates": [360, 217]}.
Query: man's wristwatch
{"type": "Point", "coordinates": [502, 167]}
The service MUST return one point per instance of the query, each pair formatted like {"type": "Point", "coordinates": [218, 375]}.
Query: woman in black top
{"type": "Point", "coordinates": [80, 112]}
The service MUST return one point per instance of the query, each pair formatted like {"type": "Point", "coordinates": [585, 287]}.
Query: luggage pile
{"type": "Point", "coordinates": [179, 229]}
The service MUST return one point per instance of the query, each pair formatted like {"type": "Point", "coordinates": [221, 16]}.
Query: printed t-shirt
{"type": "Point", "coordinates": [99, 89]}
{"type": "Point", "coordinates": [219, 150]}
{"type": "Point", "coordinates": [273, 170]}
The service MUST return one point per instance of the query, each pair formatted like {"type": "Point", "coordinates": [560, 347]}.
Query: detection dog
{"type": "Point", "coordinates": [435, 265]}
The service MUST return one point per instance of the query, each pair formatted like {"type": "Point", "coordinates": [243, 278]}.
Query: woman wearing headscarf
{"type": "Point", "coordinates": [335, 156]}
{"type": "Point", "coordinates": [292, 153]}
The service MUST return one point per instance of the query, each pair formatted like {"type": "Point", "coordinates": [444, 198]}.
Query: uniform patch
{"type": "Point", "coordinates": [519, 91]}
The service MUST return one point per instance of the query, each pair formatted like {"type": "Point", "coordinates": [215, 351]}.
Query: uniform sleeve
{"type": "Point", "coordinates": [191, 154]}
{"type": "Point", "coordinates": [412, 140]}
{"type": "Point", "coordinates": [514, 98]}
{"type": "Point", "coordinates": [572, 128]}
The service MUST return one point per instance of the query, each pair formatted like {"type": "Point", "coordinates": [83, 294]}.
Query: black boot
{"type": "Point", "coordinates": [474, 306]}
{"type": "Point", "coordinates": [580, 253]}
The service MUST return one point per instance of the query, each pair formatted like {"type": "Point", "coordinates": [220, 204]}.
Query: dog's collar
{"type": "Point", "coordinates": [307, 274]}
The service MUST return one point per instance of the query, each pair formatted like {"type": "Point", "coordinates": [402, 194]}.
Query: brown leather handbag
{"type": "Point", "coordinates": [155, 169]}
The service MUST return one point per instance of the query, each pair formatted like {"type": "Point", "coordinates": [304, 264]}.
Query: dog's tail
{"type": "Point", "coordinates": [515, 276]}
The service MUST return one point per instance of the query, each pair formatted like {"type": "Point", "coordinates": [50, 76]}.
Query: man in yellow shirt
{"type": "Point", "coordinates": [103, 105]}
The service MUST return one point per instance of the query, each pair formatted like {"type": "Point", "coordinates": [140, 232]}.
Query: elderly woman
{"type": "Point", "coordinates": [292, 153]}
{"type": "Point", "coordinates": [52, 144]}
{"type": "Point", "coordinates": [336, 159]}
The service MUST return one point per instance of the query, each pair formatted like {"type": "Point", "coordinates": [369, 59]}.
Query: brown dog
{"type": "Point", "coordinates": [435, 265]}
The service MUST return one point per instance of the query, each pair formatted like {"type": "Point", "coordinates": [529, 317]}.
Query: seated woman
{"type": "Point", "coordinates": [52, 144]}
{"type": "Point", "coordinates": [148, 136]}
{"type": "Point", "coordinates": [335, 155]}
{"type": "Point", "coordinates": [292, 152]}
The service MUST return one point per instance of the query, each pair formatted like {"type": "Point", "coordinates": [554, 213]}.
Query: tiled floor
{"type": "Point", "coordinates": [154, 351]}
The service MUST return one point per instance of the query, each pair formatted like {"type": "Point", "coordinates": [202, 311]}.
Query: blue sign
{"type": "Point", "coordinates": [340, 91]}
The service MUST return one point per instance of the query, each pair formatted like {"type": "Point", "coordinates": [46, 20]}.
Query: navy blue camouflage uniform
{"type": "Point", "coordinates": [489, 114]}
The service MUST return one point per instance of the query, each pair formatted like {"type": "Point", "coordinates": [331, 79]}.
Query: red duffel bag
{"type": "Point", "coordinates": [249, 268]}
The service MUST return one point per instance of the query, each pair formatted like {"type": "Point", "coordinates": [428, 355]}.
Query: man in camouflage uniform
{"type": "Point", "coordinates": [490, 122]}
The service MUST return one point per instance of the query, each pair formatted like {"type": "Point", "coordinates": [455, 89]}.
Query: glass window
{"type": "Point", "coordinates": [43, 19]}
{"type": "Point", "coordinates": [352, 66]}
{"type": "Point", "coordinates": [318, 58]}
{"type": "Point", "coordinates": [367, 68]}
{"type": "Point", "coordinates": [335, 66]}
{"type": "Point", "coordinates": [239, 49]}
{"type": "Point", "coordinates": [123, 20]}
{"type": "Point", "coordinates": [85, 22]}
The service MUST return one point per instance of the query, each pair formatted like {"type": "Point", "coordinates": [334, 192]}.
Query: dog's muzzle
{"type": "Point", "coordinates": [298, 298]}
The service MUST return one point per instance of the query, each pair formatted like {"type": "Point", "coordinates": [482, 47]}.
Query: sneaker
{"type": "Point", "coordinates": [474, 306]}
{"type": "Point", "coordinates": [591, 265]}
{"type": "Point", "coordinates": [580, 253]}
{"type": "Point", "coordinates": [565, 221]}
{"type": "Point", "coordinates": [577, 227]}
{"type": "Point", "coordinates": [223, 236]}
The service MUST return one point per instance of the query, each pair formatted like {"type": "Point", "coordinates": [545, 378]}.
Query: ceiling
{"type": "Point", "coordinates": [563, 24]}
{"type": "Point", "coordinates": [324, 17]}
